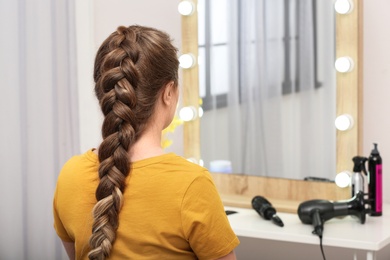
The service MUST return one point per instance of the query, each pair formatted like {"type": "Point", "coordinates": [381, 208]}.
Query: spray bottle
{"type": "Point", "coordinates": [357, 179]}
{"type": "Point", "coordinates": [375, 181]}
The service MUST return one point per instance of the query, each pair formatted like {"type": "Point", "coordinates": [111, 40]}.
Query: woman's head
{"type": "Point", "coordinates": [132, 68]}
{"type": "Point", "coordinates": [135, 63]}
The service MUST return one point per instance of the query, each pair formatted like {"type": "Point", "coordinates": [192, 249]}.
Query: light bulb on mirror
{"type": "Point", "coordinates": [200, 112]}
{"type": "Point", "coordinates": [343, 179]}
{"type": "Point", "coordinates": [344, 122]}
{"type": "Point", "coordinates": [186, 7]}
{"type": "Point", "coordinates": [344, 64]}
{"type": "Point", "coordinates": [343, 6]}
{"type": "Point", "coordinates": [188, 113]}
{"type": "Point", "coordinates": [187, 61]}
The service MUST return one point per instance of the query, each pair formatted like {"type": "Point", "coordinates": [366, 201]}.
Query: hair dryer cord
{"type": "Point", "coordinates": [318, 224]}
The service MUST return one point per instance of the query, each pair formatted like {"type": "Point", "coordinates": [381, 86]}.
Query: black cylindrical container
{"type": "Point", "coordinates": [375, 181]}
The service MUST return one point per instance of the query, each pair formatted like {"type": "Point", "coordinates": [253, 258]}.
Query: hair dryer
{"type": "Point", "coordinates": [316, 212]}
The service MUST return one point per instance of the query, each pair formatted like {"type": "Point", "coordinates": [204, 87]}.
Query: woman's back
{"type": "Point", "coordinates": [168, 208]}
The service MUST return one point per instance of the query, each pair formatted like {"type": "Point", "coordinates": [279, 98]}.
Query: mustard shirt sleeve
{"type": "Point", "coordinates": [58, 226]}
{"type": "Point", "coordinates": [204, 220]}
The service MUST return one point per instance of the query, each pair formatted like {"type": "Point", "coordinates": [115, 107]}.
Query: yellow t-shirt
{"type": "Point", "coordinates": [171, 210]}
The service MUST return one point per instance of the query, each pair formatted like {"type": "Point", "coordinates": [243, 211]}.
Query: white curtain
{"type": "Point", "coordinates": [281, 103]}
{"type": "Point", "coordinates": [39, 121]}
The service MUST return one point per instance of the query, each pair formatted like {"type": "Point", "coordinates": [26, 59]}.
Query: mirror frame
{"type": "Point", "coordinates": [238, 189]}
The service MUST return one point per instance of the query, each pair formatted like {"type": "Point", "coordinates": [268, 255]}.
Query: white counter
{"type": "Point", "coordinates": [345, 232]}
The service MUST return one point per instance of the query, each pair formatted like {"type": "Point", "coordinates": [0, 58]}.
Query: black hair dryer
{"type": "Point", "coordinates": [316, 212]}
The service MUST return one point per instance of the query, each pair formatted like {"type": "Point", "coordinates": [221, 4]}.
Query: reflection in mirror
{"type": "Point", "coordinates": [286, 194]}
{"type": "Point", "coordinates": [268, 86]}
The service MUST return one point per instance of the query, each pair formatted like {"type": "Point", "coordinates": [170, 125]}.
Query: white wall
{"type": "Point", "coordinates": [376, 94]}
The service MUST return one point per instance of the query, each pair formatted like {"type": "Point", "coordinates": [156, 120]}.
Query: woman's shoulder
{"type": "Point", "coordinates": [80, 163]}
{"type": "Point", "coordinates": [88, 157]}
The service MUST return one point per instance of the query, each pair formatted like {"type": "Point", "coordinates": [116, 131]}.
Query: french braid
{"type": "Point", "coordinates": [131, 67]}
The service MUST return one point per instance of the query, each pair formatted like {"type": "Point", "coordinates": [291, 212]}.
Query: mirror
{"type": "Point", "coordinates": [347, 44]}
{"type": "Point", "coordinates": [267, 83]}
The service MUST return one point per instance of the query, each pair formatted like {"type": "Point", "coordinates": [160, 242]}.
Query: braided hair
{"type": "Point", "coordinates": [131, 67]}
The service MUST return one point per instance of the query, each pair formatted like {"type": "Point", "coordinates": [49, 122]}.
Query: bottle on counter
{"type": "Point", "coordinates": [357, 178]}
{"type": "Point", "coordinates": [375, 181]}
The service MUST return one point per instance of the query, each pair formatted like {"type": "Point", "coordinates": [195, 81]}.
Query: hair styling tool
{"type": "Point", "coordinates": [265, 210]}
{"type": "Point", "coordinates": [316, 212]}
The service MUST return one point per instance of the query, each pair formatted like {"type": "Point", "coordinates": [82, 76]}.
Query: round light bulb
{"type": "Point", "coordinates": [186, 7]}
{"type": "Point", "coordinates": [344, 122]}
{"type": "Point", "coordinates": [344, 64]}
{"type": "Point", "coordinates": [200, 111]}
{"type": "Point", "coordinates": [343, 179]}
{"type": "Point", "coordinates": [187, 113]}
{"type": "Point", "coordinates": [187, 61]}
{"type": "Point", "coordinates": [343, 6]}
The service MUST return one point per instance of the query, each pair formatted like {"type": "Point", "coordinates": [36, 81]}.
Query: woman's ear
{"type": "Point", "coordinates": [169, 93]}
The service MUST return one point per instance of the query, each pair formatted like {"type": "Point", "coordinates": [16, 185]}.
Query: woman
{"type": "Point", "coordinates": [127, 199]}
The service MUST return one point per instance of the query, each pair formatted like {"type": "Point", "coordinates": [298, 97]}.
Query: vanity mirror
{"type": "Point", "coordinates": [241, 184]}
